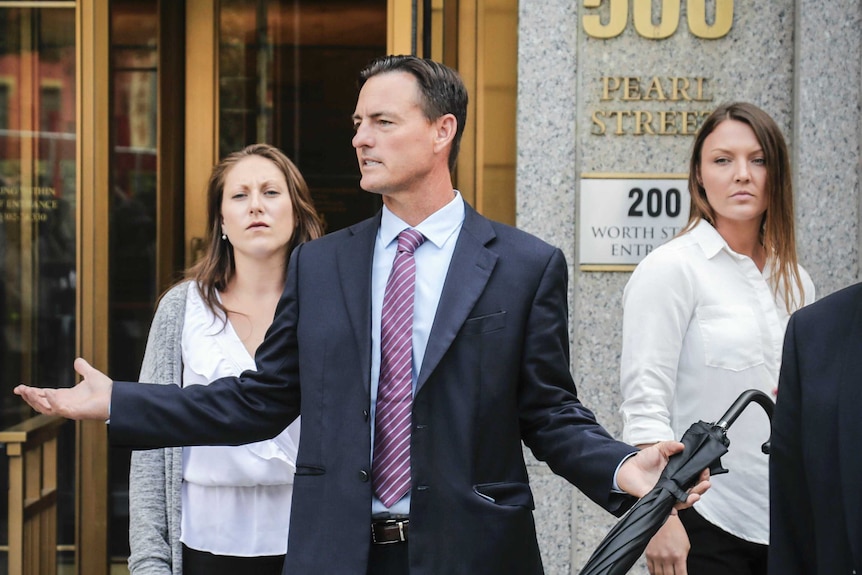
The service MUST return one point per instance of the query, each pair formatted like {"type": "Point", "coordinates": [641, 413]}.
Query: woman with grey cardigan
{"type": "Point", "coordinates": [214, 510]}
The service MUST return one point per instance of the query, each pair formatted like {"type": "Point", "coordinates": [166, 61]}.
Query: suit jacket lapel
{"type": "Point", "coordinates": [354, 259]}
{"type": "Point", "coordinates": [850, 430]}
{"type": "Point", "coordinates": [466, 279]}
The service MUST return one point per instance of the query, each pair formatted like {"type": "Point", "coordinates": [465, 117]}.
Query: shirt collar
{"type": "Point", "coordinates": [437, 228]}
{"type": "Point", "coordinates": [709, 240]}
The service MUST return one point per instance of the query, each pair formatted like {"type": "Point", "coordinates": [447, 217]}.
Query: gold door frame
{"type": "Point", "coordinates": [93, 183]}
{"type": "Point", "coordinates": [201, 111]}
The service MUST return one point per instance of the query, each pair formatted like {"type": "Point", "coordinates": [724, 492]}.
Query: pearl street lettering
{"type": "Point", "coordinates": [677, 121]}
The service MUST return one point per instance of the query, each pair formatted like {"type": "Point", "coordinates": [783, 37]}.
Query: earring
{"type": "Point", "coordinates": [223, 236]}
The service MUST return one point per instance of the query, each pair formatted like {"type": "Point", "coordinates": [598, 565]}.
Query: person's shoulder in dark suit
{"type": "Point", "coordinates": [836, 309]}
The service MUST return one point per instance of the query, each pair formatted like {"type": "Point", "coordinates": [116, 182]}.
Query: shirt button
{"type": "Point", "coordinates": [363, 476]}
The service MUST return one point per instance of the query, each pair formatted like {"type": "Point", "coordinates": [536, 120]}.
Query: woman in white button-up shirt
{"type": "Point", "coordinates": [704, 320]}
{"type": "Point", "coordinates": [223, 510]}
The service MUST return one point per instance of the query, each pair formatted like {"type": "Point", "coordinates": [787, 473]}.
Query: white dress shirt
{"type": "Point", "coordinates": [432, 259]}
{"type": "Point", "coordinates": [235, 500]}
{"type": "Point", "coordinates": [701, 324]}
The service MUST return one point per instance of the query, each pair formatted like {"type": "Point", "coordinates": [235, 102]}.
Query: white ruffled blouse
{"type": "Point", "coordinates": [235, 500]}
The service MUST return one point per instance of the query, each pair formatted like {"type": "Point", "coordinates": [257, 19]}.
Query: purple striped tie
{"type": "Point", "coordinates": [391, 464]}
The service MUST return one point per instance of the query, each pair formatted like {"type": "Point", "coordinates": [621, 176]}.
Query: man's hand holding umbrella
{"type": "Point", "coordinates": [704, 445]}
{"type": "Point", "coordinates": [640, 472]}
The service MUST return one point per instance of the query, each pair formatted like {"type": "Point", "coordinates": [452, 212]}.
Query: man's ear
{"type": "Point", "coordinates": [446, 126]}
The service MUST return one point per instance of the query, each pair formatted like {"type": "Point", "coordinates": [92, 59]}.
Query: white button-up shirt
{"type": "Point", "coordinates": [701, 324]}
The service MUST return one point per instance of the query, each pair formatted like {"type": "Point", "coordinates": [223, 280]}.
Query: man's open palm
{"type": "Point", "coordinates": [87, 400]}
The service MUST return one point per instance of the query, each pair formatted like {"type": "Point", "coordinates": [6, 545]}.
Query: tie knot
{"type": "Point", "coordinates": [409, 240]}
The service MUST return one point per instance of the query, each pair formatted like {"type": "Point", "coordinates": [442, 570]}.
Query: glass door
{"type": "Point", "coordinates": [284, 73]}
{"type": "Point", "coordinates": [38, 199]}
{"type": "Point", "coordinates": [144, 200]}
{"type": "Point", "coordinates": [287, 76]}
{"type": "Point", "coordinates": [281, 72]}
{"type": "Point", "coordinates": [132, 220]}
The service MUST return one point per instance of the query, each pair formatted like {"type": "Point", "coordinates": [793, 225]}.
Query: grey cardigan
{"type": "Point", "coordinates": [155, 477]}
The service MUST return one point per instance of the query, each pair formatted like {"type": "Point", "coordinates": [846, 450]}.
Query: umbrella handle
{"type": "Point", "coordinates": [746, 397]}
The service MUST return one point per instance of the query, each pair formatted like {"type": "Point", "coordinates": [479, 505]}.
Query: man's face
{"type": "Point", "coordinates": [394, 140]}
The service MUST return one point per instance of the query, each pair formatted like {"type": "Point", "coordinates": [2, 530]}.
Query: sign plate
{"type": "Point", "coordinates": [625, 217]}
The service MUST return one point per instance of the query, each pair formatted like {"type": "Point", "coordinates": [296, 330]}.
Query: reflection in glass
{"type": "Point", "coordinates": [37, 223]}
{"type": "Point", "coordinates": [287, 76]}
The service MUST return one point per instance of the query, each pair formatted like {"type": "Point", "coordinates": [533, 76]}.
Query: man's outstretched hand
{"type": "Point", "coordinates": [90, 399]}
{"type": "Point", "coordinates": [640, 473]}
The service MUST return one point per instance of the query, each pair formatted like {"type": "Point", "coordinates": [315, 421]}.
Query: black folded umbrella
{"type": "Point", "coordinates": [705, 443]}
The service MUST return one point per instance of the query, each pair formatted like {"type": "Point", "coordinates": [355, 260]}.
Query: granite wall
{"type": "Point", "coordinates": [801, 60]}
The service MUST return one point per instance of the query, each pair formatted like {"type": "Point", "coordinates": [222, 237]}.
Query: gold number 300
{"type": "Point", "coordinates": [668, 23]}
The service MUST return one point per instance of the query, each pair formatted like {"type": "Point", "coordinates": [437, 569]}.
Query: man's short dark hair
{"type": "Point", "coordinates": [442, 90]}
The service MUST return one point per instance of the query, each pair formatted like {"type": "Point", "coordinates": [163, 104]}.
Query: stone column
{"type": "Point", "coordinates": [546, 186]}
{"type": "Point", "coordinates": [827, 123]}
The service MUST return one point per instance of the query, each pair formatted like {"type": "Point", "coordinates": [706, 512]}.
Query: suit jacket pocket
{"type": "Point", "coordinates": [310, 469]}
{"type": "Point", "coordinates": [485, 323]}
{"type": "Point", "coordinates": [506, 493]}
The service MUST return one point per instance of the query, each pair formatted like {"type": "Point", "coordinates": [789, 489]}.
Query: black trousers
{"type": "Point", "coordinates": [390, 559]}
{"type": "Point", "coordinates": [717, 552]}
{"type": "Point", "coordinates": [202, 563]}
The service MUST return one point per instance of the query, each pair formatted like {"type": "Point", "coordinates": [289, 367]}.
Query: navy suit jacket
{"type": "Point", "coordinates": [815, 462]}
{"type": "Point", "coordinates": [495, 373]}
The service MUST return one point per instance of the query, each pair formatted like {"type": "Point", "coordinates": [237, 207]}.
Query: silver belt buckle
{"type": "Point", "coordinates": [399, 522]}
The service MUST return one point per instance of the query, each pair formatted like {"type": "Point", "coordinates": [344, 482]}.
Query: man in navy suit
{"type": "Point", "coordinates": [815, 474]}
{"type": "Point", "coordinates": [490, 368]}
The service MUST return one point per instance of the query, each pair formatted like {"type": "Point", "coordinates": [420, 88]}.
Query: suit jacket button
{"type": "Point", "coordinates": [363, 476]}
{"type": "Point", "coordinates": [365, 414]}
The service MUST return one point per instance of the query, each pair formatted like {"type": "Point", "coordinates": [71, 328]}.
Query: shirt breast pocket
{"type": "Point", "coordinates": [731, 336]}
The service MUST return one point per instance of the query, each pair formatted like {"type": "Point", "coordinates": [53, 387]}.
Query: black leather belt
{"type": "Point", "coordinates": [387, 531]}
